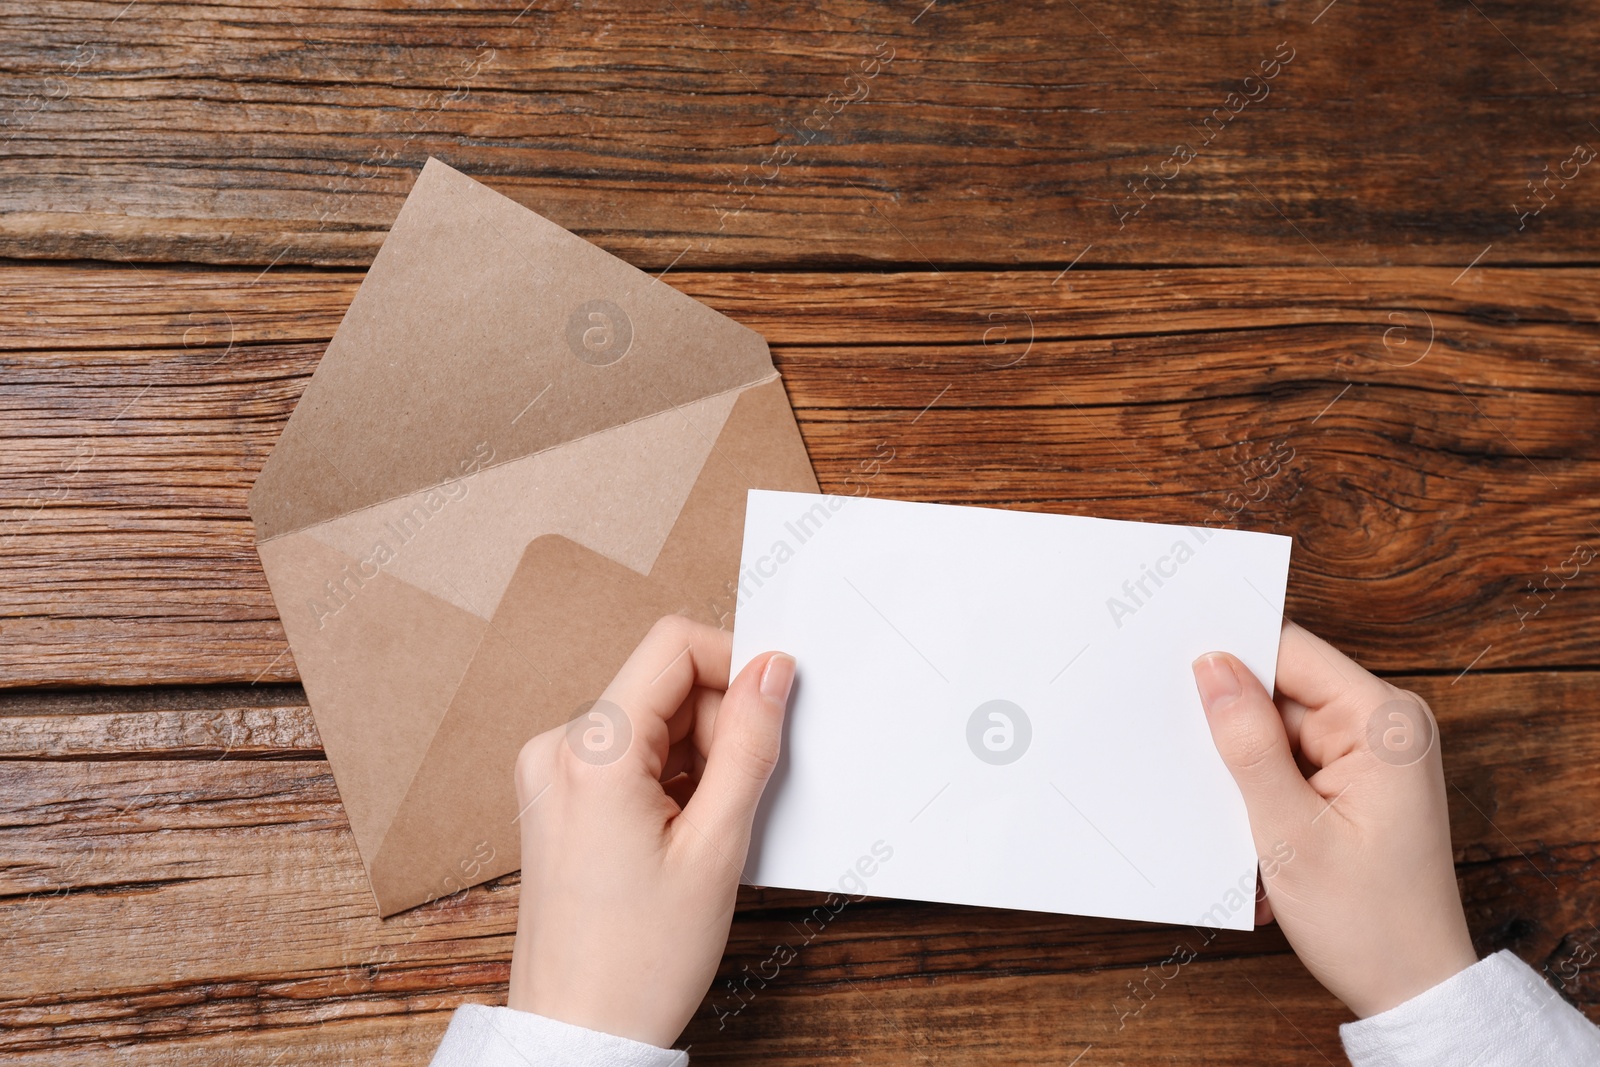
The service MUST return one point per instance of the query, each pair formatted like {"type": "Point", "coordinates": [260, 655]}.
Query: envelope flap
{"type": "Point", "coordinates": [568, 620]}
{"type": "Point", "coordinates": [484, 333]}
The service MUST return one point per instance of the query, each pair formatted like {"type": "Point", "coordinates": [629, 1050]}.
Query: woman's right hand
{"type": "Point", "coordinates": [1345, 771]}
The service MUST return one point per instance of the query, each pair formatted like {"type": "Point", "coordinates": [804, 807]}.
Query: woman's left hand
{"type": "Point", "coordinates": [635, 824]}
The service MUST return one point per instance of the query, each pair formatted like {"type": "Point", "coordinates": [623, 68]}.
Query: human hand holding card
{"type": "Point", "coordinates": [996, 708]}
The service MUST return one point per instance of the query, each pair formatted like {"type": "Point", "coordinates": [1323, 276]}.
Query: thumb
{"type": "Point", "coordinates": [744, 750]}
{"type": "Point", "coordinates": [1250, 738]}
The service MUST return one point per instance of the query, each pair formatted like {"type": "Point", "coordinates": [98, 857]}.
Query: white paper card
{"type": "Point", "coordinates": [996, 707]}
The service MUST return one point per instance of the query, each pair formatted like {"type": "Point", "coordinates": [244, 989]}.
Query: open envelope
{"type": "Point", "coordinates": [517, 453]}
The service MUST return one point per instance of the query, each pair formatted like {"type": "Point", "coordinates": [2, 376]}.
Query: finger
{"type": "Point", "coordinates": [1250, 737]}
{"type": "Point", "coordinates": [1315, 673]}
{"type": "Point", "coordinates": [744, 751]}
{"type": "Point", "coordinates": [1337, 695]}
{"type": "Point", "coordinates": [652, 685]}
{"type": "Point", "coordinates": [705, 726]}
{"type": "Point", "coordinates": [1329, 734]}
{"type": "Point", "coordinates": [1294, 717]}
{"type": "Point", "coordinates": [690, 731]}
{"type": "Point", "coordinates": [700, 701]}
{"type": "Point", "coordinates": [1307, 735]}
{"type": "Point", "coordinates": [674, 656]}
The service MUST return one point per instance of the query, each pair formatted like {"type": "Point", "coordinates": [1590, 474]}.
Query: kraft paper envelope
{"type": "Point", "coordinates": [997, 708]}
{"type": "Point", "coordinates": [517, 453]}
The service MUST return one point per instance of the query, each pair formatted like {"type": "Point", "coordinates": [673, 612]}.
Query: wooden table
{"type": "Point", "coordinates": [1089, 257]}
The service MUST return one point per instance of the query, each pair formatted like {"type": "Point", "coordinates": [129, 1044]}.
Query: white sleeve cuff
{"type": "Point", "coordinates": [1496, 1013]}
{"type": "Point", "coordinates": [481, 1036]}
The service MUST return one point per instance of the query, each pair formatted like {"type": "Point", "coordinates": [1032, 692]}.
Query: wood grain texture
{"type": "Point", "coordinates": [1357, 300]}
{"type": "Point", "coordinates": [133, 855]}
{"type": "Point", "coordinates": [217, 722]}
{"type": "Point", "coordinates": [736, 136]}
{"type": "Point", "coordinates": [1438, 462]}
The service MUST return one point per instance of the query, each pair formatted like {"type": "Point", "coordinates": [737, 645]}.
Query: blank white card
{"type": "Point", "coordinates": [996, 707]}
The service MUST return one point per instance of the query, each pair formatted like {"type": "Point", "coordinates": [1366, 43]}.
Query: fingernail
{"type": "Point", "coordinates": [1214, 677]}
{"type": "Point", "coordinates": [777, 677]}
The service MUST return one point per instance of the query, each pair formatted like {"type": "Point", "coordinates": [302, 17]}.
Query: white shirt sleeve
{"type": "Point", "coordinates": [1496, 1013]}
{"type": "Point", "coordinates": [481, 1036]}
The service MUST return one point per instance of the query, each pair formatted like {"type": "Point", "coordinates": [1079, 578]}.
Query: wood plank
{"type": "Point", "coordinates": [1204, 1011]}
{"type": "Point", "coordinates": [1447, 497]}
{"type": "Point", "coordinates": [1403, 319]}
{"type": "Point", "coordinates": [135, 862]}
{"type": "Point", "coordinates": [732, 137]}
{"type": "Point", "coordinates": [1544, 762]}
{"type": "Point", "coordinates": [221, 722]}
{"type": "Point", "coordinates": [406, 1036]}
